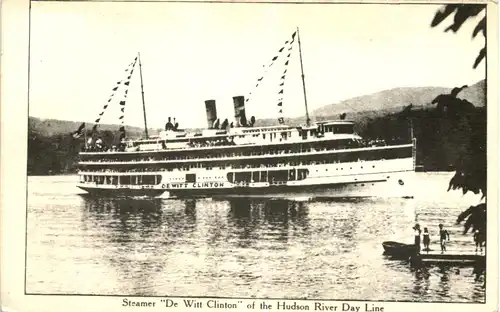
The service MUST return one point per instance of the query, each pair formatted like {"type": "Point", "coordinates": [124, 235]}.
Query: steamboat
{"type": "Point", "coordinates": [315, 159]}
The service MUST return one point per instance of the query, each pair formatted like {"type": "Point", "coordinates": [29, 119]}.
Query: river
{"type": "Point", "coordinates": [243, 248]}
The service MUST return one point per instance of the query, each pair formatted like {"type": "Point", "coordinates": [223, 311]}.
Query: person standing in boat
{"type": "Point", "coordinates": [443, 235]}
{"type": "Point", "coordinates": [426, 239]}
{"type": "Point", "coordinates": [417, 232]}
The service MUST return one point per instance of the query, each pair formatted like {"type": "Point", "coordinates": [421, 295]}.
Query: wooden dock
{"type": "Point", "coordinates": [452, 257]}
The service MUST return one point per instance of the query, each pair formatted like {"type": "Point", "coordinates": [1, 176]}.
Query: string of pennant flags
{"type": "Point", "coordinates": [125, 82]}
{"type": "Point", "coordinates": [266, 68]}
{"type": "Point", "coordinates": [281, 120]}
{"type": "Point", "coordinates": [286, 48]}
{"type": "Point", "coordinates": [122, 103]}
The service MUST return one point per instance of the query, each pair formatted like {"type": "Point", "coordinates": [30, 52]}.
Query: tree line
{"type": "Point", "coordinates": [444, 135]}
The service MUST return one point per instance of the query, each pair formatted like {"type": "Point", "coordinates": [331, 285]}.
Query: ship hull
{"type": "Point", "coordinates": [121, 192]}
{"type": "Point", "coordinates": [374, 186]}
{"type": "Point", "coordinates": [381, 188]}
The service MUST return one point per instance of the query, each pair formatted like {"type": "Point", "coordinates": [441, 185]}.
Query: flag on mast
{"type": "Point", "coordinates": [79, 132]}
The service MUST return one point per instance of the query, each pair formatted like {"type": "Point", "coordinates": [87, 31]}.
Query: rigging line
{"type": "Point", "coordinates": [114, 91]}
{"type": "Point", "coordinates": [282, 81]}
{"type": "Point", "coordinates": [266, 69]}
{"type": "Point", "coordinates": [122, 103]}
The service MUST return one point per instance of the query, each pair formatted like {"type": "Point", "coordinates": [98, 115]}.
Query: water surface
{"type": "Point", "coordinates": [77, 244]}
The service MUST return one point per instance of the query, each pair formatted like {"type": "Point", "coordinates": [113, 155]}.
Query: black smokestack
{"type": "Point", "coordinates": [239, 110]}
{"type": "Point", "coordinates": [211, 113]}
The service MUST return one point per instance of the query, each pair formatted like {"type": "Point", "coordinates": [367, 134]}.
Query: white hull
{"type": "Point", "coordinates": [383, 178]}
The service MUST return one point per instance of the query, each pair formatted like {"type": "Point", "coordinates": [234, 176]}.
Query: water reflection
{"type": "Point", "coordinates": [129, 219]}
{"type": "Point", "coordinates": [245, 220]}
{"type": "Point", "coordinates": [479, 273]}
{"type": "Point", "coordinates": [125, 217]}
{"type": "Point", "coordinates": [441, 280]}
{"type": "Point", "coordinates": [190, 212]}
{"type": "Point", "coordinates": [478, 293]}
{"type": "Point", "coordinates": [268, 220]}
{"type": "Point", "coordinates": [418, 283]}
{"type": "Point", "coordinates": [135, 231]}
{"type": "Point", "coordinates": [444, 281]}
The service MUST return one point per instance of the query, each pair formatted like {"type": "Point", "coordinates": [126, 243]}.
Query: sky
{"type": "Point", "coordinates": [192, 52]}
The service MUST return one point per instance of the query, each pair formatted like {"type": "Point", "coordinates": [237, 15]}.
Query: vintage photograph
{"type": "Point", "coordinates": [307, 151]}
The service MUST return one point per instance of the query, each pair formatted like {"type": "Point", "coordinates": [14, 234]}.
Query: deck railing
{"type": "Point", "coordinates": [237, 156]}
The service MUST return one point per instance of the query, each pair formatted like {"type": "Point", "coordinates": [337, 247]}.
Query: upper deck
{"type": "Point", "coordinates": [174, 140]}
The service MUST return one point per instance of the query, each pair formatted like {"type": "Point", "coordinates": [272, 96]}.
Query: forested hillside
{"type": "Point", "coordinates": [441, 132]}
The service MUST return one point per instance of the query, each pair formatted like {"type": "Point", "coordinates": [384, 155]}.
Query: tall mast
{"type": "Point", "coordinates": [142, 93]}
{"type": "Point", "coordinates": [308, 120]}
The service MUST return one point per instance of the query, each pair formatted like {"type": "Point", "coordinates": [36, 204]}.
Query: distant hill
{"type": "Point", "coordinates": [52, 150]}
{"type": "Point", "coordinates": [476, 94]}
{"type": "Point", "coordinates": [50, 127]}
{"type": "Point", "coordinates": [379, 104]}
{"type": "Point", "coordinates": [397, 98]}
{"type": "Point", "coordinates": [357, 109]}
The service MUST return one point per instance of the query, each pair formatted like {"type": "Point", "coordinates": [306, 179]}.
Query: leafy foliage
{"type": "Point", "coordinates": [443, 137]}
{"type": "Point", "coordinates": [471, 165]}
{"type": "Point", "coordinates": [470, 172]}
{"type": "Point", "coordinates": [475, 219]}
{"type": "Point", "coordinates": [463, 12]}
{"type": "Point", "coordinates": [58, 153]}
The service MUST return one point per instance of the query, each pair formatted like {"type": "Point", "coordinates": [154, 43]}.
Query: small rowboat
{"type": "Point", "coordinates": [398, 250]}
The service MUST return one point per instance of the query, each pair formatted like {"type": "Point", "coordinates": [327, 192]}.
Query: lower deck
{"type": "Point", "coordinates": [388, 184]}
{"type": "Point", "coordinates": [348, 179]}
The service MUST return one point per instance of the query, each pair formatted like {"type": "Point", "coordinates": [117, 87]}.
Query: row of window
{"type": "Point", "coordinates": [298, 160]}
{"type": "Point", "coordinates": [239, 151]}
{"type": "Point", "coordinates": [271, 176]}
{"type": "Point", "coordinates": [268, 176]}
{"type": "Point", "coordinates": [122, 180]}
{"type": "Point", "coordinates": [219, 177]}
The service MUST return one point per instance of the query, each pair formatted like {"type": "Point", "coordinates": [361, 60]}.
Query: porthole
{"type": "Point", "coordinates": [401, 182]}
